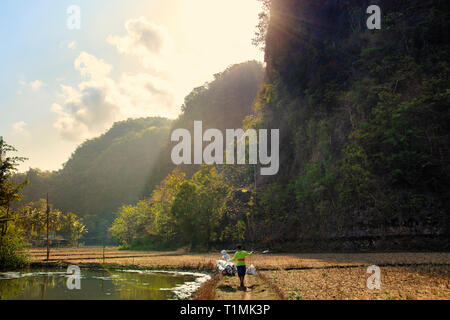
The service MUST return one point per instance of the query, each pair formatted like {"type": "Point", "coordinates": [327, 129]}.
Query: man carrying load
{"type": "Point", "coordinates": [239, 257]}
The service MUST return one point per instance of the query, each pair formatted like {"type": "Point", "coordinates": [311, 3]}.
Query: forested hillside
{"type": "Point", "coordinates": [364, 125]}
{"type": "Point", "coordinates": [102, 173]}
{"type": "Point", "coordinates": [188, 204]}
{"type": "Point", "coordinates": [222, 104]}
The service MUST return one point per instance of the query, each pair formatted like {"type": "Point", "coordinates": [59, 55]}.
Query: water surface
{"type": "Point", "coordinates": [99, 284]}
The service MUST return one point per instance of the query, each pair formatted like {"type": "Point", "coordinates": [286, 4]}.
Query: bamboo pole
{"type": "Point", "coordinates": [48, 242]}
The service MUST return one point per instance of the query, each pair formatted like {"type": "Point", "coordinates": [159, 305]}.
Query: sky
{"type": "Point", "coordinates": [64, 80]}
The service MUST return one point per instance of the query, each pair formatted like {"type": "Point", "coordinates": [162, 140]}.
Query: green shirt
{"type": "Point", "coordinates": [239, 256]}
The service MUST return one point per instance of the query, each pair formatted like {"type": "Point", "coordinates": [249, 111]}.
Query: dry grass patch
{"type": "Point", "coordinates": [403, 283]}
{"type": "Point", "coordinates": [172, 259]}
{"type": "Point", "coordinates": [256, 289]}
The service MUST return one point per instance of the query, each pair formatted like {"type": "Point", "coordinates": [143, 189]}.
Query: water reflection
{"type": "Point", "coordinates": [99, 284]}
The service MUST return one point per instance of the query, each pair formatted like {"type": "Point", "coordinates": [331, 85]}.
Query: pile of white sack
{"type": "Point", "coordinates": [225, 267]}
{"type": "Point", "coordinates": [251, 270]}
{"type": "Point", "coordinates": [228, 268]}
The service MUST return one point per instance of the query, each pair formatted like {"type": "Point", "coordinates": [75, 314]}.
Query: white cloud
{"type": "Point", "coordinates": [72, 45]}
{"type": "Point", "coordinates": [92, 67]}
{"type": "Point", "coordinates": [87, 116]}
{"type": "Point", "coordinates": [35, 85]}
{"type": "Point", "coordinates": [142, 37]}
{"type": "Point", "coordinates": [145, 93]}
{"type": "Point", "coordinates": [97, 102]}
{"type": "Point", "coordinates": [20, 128]}
{"type": "Point", "coordinates": [149, 41]}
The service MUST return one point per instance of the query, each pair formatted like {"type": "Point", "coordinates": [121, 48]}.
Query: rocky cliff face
{"type": "Point", "coordinates": [363, 116]}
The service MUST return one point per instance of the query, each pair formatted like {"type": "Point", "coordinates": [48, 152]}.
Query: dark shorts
{"type": "Point", "coordinates": [241, 270]}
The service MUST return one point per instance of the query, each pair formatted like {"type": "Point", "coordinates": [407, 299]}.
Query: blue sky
{"type": "Point", "coordinates": [131, 58]}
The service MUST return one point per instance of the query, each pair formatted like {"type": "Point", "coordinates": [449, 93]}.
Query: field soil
{"type": "Point", "coordinates": [405, 276]}
{"type": "Point", "coordinates": [419, 282]}
{"type": "Point", "coordinates": [255, 289]}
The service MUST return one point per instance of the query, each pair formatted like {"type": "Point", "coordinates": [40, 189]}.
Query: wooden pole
{"type": "Point", "coordinates": [103, 251]}
{"type": "Point", "coordinates": [4, 223]}
{"type": "Point", "coordinates": [48, 242]}
{"type": "Point", "coordinates": [254, 206]}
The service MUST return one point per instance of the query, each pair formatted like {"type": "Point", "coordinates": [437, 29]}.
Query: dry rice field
{"type": "Point", "coordinates": [296, 276]}
{"type": "Point", "coordinates": [422, 282]}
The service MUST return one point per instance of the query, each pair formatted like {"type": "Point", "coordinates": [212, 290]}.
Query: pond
{"type": "Point", "coordinates": [99, 284]}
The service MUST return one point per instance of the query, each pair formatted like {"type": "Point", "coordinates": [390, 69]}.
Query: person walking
{"type": "Point", "coordinates": [239, 257]}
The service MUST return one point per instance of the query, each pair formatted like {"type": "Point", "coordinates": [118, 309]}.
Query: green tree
{"type": "Point", "coordinates": [198, 207]}
{"type": "Point", "coordinates": [261, 29]}
{"type": "Point", "coordinates": [11, 242]}
{"type": "Point", "coordinates": [73, 227]}
{"type": "Point", "coordinates": [129, 223]}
